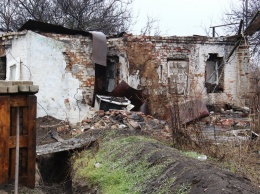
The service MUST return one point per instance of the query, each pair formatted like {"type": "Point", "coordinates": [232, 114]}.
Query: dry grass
{"type": "Point", "coordinates": [238, 156]}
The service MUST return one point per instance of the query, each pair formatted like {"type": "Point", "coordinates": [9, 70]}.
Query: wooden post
{"type": "Point", "coordinates": [17, 151]}
{"type": "Point", "coordinates": [4, 133]}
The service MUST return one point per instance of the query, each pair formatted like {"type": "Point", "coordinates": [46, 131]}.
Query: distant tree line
{"type": "Point", "coordinates": [108, 16]}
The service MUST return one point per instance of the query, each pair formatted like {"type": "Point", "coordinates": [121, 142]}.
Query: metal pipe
{"type": "Point", "coordinates": [17, 152]}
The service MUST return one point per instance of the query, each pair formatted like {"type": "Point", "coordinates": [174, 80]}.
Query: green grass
{"type": "Point", "coordinates": [118, 173]}
{"type": "Point", "coordinates": [191, 154]}
{"type": "Point", "coordinates": [183, 189]}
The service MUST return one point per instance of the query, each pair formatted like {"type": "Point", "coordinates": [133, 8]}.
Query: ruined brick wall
{"type": "Point", "coordinates": [243, 56]}
{"type": "Point", "coordinates": [164, 66]}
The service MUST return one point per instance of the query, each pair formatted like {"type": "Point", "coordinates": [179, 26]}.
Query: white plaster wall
{"type": "Point", "coordinates": [17, 53]}
{"type": "Point", "coordinates": [134, 80]}
{"type": "Point", "coordinates": [59, 94]}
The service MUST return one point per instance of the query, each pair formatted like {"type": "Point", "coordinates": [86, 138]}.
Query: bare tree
{"type": "Point", "coordinates": [109, 16]}
{"type": "Point", "coordinates": [7, 14]}
{"type": "Point", "coordinates": [245, 11]}
{"type": "Point", "coordinates": [152, 25]}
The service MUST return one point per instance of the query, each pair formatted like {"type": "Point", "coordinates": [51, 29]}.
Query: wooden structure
{"type": "Point", "coordinates": [10, 102]}
{"type": "Point", "coordinates": [70, 144]}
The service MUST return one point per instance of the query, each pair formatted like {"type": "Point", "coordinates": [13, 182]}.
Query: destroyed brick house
{"type": "Point", "coordinates": [70, 68]}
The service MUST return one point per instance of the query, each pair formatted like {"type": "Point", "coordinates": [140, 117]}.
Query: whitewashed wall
{"type": "Point", "coordinates": [43, 62]}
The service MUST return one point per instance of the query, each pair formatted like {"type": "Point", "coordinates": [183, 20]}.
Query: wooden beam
{"type": "Point", "coordinates": [4, 134]}
{"type": "Point", "coordinates": [31, 130]}
{"type": "Point", "coordinates": [65, 145]}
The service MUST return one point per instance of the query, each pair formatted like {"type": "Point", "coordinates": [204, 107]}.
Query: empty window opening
{"type": "Point", "coordinates": [3, 68]}
{"type": "Point", "coordinates": [214, 78]}
{"type": "Point", "coordinates": [13, 69]}
{"type": "Point", "coordinates": [178, 75]}
{"type": "Point", "coordinates": [112, 73]}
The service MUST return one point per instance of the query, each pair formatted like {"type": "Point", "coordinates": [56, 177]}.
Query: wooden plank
{"type": "Point", "coordinates": [31, 103]}
{"type": "Point", "coordinates": [25, 120]}
{"type": "Point", "coordinates": [23, 161]}
{"type": "Point", "coordinates": [13, 111]}
{"type": "Point", "coordinates": [22, 180]}
{"type": "Point", "coordinates": [23, 141]}
{"type": "Point", "coordinates": [12, 163]}
{"type": "Point", "coordinates": [69, 144]}
{"type": "Point", "coordinates": [4, 133]}
{"type": "Point", "coordinates": [18, 100]}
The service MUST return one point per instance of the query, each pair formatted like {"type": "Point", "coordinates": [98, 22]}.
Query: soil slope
{"type": "Point", "coordinates": [149, 167]}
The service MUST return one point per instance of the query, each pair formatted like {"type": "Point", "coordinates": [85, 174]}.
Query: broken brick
{"type": "Point", "coordinates": [101, 113]}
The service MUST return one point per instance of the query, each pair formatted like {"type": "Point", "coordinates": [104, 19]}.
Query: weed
{"type": "Point", "coordinates": [191, 154]}
{"type": "Point", "coordinates": [183, 189]}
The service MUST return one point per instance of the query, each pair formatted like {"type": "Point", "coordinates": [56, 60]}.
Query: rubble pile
{"type": "Point", "coordinates": [118, 119]}
{"type": "Point", "coordinates": [226, 125]}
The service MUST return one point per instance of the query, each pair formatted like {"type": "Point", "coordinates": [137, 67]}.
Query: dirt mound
{"type": "Point", "coordinates": [141, 165]}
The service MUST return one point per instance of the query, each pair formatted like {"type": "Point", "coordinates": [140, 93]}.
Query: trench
{"type": "Point", "coordinates": [55, 173]}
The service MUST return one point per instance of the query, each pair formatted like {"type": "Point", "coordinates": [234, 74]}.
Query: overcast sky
{"type": "Point", "coordinates": [181, 17]}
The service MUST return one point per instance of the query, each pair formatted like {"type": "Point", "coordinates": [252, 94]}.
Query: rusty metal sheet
{"type": "Point", "coordinates": [99, 53]}
{"type": "Point", "coordinates": [254, 25]}
{"type": "Point", "coordinates": [135, 96]}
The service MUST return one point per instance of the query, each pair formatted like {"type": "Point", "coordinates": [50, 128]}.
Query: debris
{"type": "Point", "coordinates": [117, 119]}
{"type": "Point", "coordinates": [121, 126]}
{"type": "Point", "coordinates": [109, 102]}
{"type": "Point", "coordinates": [97, 165]}
{"type": "Point", "coordinates": [134, 124]}
{"type": "Point", "coordinates": [56, 136]}
{"type": "Point", "coordinates": [129, 107]}
{"type": "Point", "coordinates": [254, 135]}
{"type": "Point", "coordinates": [202, 157]}
{"type": "Point", "coordinates": [135, 96]}
{"type": "Point", "coordinates": [189, 111]}
{"type": "Point", "coordinates": [75, 132]}
{"type": "Point", "coordinates": [101, 113]}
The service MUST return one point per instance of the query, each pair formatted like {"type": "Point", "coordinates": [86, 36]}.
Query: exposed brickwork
{"type": "Point", "coordinates": [243, 60]}
{"type": "Point", "coordinates": [150, 60]}
{"type": "Point", "coordinates": [79, 62]}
